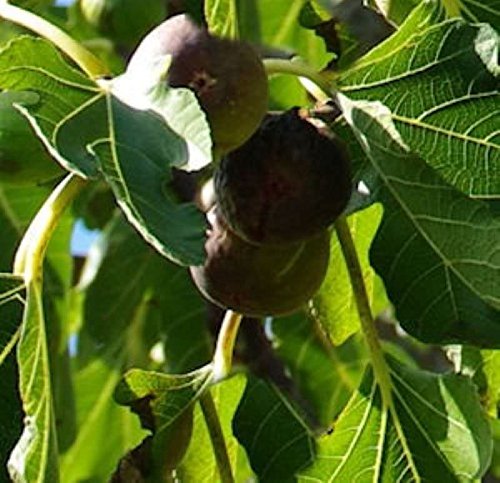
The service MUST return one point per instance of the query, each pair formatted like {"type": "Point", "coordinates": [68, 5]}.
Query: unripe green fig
{"type": "Point", "coordinates": [227, 76]}
{"type": "Point", "coordinates": [288, 182]}
{"type": "Point", "coordinates": [260, 281]}
{"type": "Point", "coordinates": [23, 159]}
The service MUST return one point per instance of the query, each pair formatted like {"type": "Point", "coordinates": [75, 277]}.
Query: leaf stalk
{"type": "Point", "coordinates": [312, 80]}
{"type": "Point", "coordinates": [28, 261]}
{"type": "Point", "coordinates": [217, 437]}
{"type": "Point", "coordinates": [380, 367]}
{"type": "Point", "coordinates": [223, 355]}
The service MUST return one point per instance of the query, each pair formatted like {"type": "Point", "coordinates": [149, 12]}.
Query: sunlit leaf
{"type": "Point", "coordinates": [436, 249]}
{"type": "Point", "coordinates": [35, 453]}
{"type": "Point", "coordinates": [199, 462]}
{"type": "Point", "coordinates": [164, 396]}
{"type": "Point", "coordinates": [35, 456]}
{"type": "Point", "coordinates": [222, 18]}
{"type": "Point", "coordinates": [435, 426]}
{"type": "Point", "coordinates": [334, 305]}
{"type": "Point", "coordinates": [99, 419]}
{"type": "Point", "coordinates": [276, 24]}
{"type": "Point", "coordinates": [483, 366]}
{"type": "Point", "coordinates": [164, 405]}
{"type": "Point", "coordinates": [397, 11]}
{"type": "Point", "coordinates": [440, 81]}
{"type": "Point", "coordinates": [11, 312]}
{"type": "Point", "coordinates": [31, 64]}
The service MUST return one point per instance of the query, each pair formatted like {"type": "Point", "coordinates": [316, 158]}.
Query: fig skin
{"type": "Point", "coordinates": [260, 281]}
{"type": "Point", "coordinates": [288, 182]}
{"type": "Point", "coordinates": [227, 77]}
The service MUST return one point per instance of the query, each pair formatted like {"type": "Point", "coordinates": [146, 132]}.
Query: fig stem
{"type": "Point", "coordinates": [321, 88]}
{"type": "Point", "coordinates": [85, 59]}
{"type": "Point", "coordinates": [223, 356]}
{"type": "Point", "coordinates": [380, 367]}
{"type": "Point", "coordinates": [452, 8]}
{"type": "Point", "coordinates": [381, 370]}
{"type": "Point", "coordinates": [28, 261]}
{"type": "Point", "coordinates": [216, 437]}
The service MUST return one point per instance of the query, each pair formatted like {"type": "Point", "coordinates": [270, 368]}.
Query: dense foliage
{"type": "Point", "coordinates": [113, 365]}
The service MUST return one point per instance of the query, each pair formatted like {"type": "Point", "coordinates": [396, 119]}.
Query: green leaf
{"type": "Point", "coordinates": [35, 453]}
{"type": "Point", "coordinates": [276, 438]}
{"type": "Point", "coordinates": [435, 427]}
{"type": "Point", "coordinates": [11, 312]}
{"type": "Point", "coordinates": [124, 271]}
{"type": "Point", "coordinates": [484, 11]}
{"type": "Point", "coordinates": [325, 375]}
{"type": "Point", "coordinates": [495, 460]}
{"type": "Point", "coordinates": [397, 11]}
{"type": "Point", "coordinates": [129, 281]}
{"type": "Point", "coordinates": [143, 86]}
{"type": "Point", "coordinates": [273, 23]}
{"type": "Point", "coordinates": [35, 456]}
{"type": "Point", "coordinates": [221, 17]}
{"type": "Point", "coordinates": [77, 120]}
{"type": "Point", "coordinates": [436, 249]}
{"type": "Point", "coordinates": [135, 158]}
{"type": "Point", "coordinates": [160, 398]}
{"type": "Point", "coordinates": [135, 151]}
{"type": "Point", "coordinates": [440, 81]}
{"type": "Point", "coordinates": [483, 366]}
{"type": "Point", "coordinates": [11, 412]}
{"type": "Point", "coordinates": [182, 318]}
{"type": "Point", "coordinates": [31, 64]}
{"type": "Point", "coordinates": [105, 430]}
{"type": "Point", "coordinates": [199, 462]}
{"type": "Point", "coordinates": [23, 159]}
{"type": "Point", "coordinates": [17, 206]}
{"type": "Point", "coordinates": [334, 305]}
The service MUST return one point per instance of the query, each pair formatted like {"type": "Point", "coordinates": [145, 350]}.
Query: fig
{"type": "Point", "coordinates": [23, 158]}
{"type": "Point", "coordinates": [288, 182]}
{"type": "Point", "coordinates": [259, 281]}
{"type": "Point", "coordinates": [227, 76]}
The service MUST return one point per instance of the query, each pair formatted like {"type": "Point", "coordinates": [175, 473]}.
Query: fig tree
{"type": "Point", "coordinates": [257, 280]}
{"type": "Point", "coordinates": [227, 76]}
{"type": "Point", "coordinates": [288, 182]}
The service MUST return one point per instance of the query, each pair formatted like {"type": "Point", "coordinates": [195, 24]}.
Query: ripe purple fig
{"type": "Point", "coordinates": [227, 76]}
{"type": "Point", "coordinates": [288, 182]}
{"type": "Point", "coordinates": [260, 281]}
